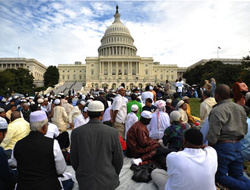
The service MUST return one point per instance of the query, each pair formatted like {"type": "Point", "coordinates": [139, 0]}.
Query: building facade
{"type": "Point", "coordinates": [36, 68]}
{"type": "Point", "coordinates": [118, 63]}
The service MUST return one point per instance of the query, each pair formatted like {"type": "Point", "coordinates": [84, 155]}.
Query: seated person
{"type": "Point", "coordinates": [191, 119]}
{"type": "Point", "coordinates": [174, 133]}
{"type": "Point", "coordinates": [148, 105]}
{"type": "Point", "coordinates": [8, 177]}
{"type": "Point", "coordinates": [139, 144]}
{"type": "Point", "coordinates": [193, 168]}
{"type": "Point", "coordinates": [39, 159]}
{"type": "Point", "coordinates": [17, 130]}
{"type": "Point", "coordinates": [182, 107]}
{"type": "Point", "coordinates": [169, 107]}
{"type": "Point", "coordinates": [131, 118]}
{"type": "Point", "coordinates": [159, 122]}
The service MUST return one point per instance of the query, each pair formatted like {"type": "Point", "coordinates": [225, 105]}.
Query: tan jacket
{"type": "Point", "coordinates": [60, 118]}
{"type": "Point", "coordinates": [17, 130]}
{"type": "Point", "coordinates": [205, 107]}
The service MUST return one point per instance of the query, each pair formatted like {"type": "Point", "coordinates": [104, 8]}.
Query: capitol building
{"type": "Point", "coordinates": [118, 64]}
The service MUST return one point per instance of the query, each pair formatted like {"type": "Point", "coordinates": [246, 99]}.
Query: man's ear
{"type": "Point", "coordinates": [45, 128]}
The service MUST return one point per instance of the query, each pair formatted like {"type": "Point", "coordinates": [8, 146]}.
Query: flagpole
{"type": "Point", "coordinates": [218, 53]}
{"type": "Point", "coordinates": [18, 48]}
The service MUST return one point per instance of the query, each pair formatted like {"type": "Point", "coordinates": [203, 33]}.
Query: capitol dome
{"type": "Point", "coordinates": [117, 40]}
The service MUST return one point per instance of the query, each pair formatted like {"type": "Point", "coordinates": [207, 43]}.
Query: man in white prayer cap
{"type": "Point", "coordinates": [96, 153]}
{"type": "Point", "coordinates": [131, 118]}
{"type": "Point", "coordinates": [139, 144]}
{"type": "Point", "coordinates": [60, 117]}
{"type": "Point", "coordinates": [76, 112]}
{"type": "Point", "coordinates": [39, 159]}
{"type": "Point", "coordinates": [81, 119]}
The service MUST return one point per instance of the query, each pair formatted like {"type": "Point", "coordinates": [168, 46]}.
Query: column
{"type": "Point", "coordinates": [103, 68]}
{"type": "Point", "coordinates": [99, 67]}
{"type": "Point", "coordinates": [116, 68]}
{"type": "Point", "coordinates": [123, 68]}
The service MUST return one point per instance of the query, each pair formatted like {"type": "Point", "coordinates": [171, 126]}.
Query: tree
{"type": "Point", "coordinates": [245, 75]}
{"type": "Point", "coordinates": [19, 80]}
{"type": "Point", "coordinates": [51, 76]}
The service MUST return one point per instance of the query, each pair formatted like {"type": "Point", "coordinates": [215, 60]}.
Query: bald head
{"type": "Point", "coordinates": [15, 115]}
{"type": "Point", "coordinates": [222, 92]}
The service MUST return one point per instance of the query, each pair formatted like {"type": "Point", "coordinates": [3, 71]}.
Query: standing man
{"type": "Point", "coordinates": [167, 88]}
{"type": "Point", "coordinates": [227, 126]}
{"type": "Point", "coordinates": [96, 153]}
{"type": "Point", "coordinates": [119, 108]}
{"type": "Point", "coordinates": [102, 98]}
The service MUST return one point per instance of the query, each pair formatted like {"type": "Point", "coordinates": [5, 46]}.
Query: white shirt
{"type": "Point", "coordinates": [120, 104]}
{"type": "Point", "coordinates": [154, 132]}
{"type": "Point", "coordinates": [106, 115]}
{"type": "Point", "coordinates": [146, 95]}
{"type": "Point", "coordinates": [179, 86]}
{"type": "Point", "coordinates": [52, 131]}
{"type": "Point", "coordinates": [80, 120]}
{"type": "Point", "coordinates": [131, 119]}
{"type": "Point", "coordinates": [47, 108]}
{"type": "Point", "coordinates": [192, 169]}
{"type": "Point", "coordinates": [58, 157]}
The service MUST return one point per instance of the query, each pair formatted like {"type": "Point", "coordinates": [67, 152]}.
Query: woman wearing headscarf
{"type": "Point", "coordinates": [159, 122]}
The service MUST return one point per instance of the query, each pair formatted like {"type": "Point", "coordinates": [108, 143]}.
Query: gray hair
{"type": "Point", "coordinates": [36, 126]}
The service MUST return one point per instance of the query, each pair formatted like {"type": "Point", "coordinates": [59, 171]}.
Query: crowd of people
{"type": "Point", "coordinates": [41, 135]}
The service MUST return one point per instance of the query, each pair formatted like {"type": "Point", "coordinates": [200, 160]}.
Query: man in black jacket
{"type": "Point", "coordinates": [39, 159]}
{"type": "Point", "coordinates": [96, 153]}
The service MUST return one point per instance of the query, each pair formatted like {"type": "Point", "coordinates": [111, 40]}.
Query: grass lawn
{"type": "Point", "coordinates": [195, 106]}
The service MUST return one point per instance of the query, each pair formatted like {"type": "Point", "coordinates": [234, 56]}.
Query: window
{"type": "Point", "coordinates": [68, 76]}
{"type": "Point", "coordinates": [92, 72]}
{"type": "Point", "coordinates": [80, 77]}
{"type": "Point", "coordinates": [146, 72]}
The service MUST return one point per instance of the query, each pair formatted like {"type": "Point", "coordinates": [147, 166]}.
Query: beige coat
{"type": "Point", "coordinates": [205, 107]}
{"type": "Point", "coordinates": [60, 118]}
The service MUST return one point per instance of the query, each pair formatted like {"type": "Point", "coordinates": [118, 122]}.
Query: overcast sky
{"type": "Point", "coordinates": [178, 32]}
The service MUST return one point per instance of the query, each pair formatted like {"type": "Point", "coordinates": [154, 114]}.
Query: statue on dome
{"type": "Point", "coordinates": [117, 8]}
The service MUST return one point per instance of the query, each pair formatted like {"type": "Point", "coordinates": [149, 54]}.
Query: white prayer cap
{"type": "Point", "coordinates": [175, 116]}
{"type": "Point", "coordinates": [169, 101]}
{"type": "Point", "coordinates": [15, 97]}
{"type": "Point", "coordinates": [10, 98]}
{"type": "Point", "coordinates": [91, 97]}
{"type": "Point", "coordinates": [119, 88]}
{"type": "Point", "coordinates": [57, 101]}
{"type": "Point", "coordinates": [59, 96]}
{"type": "Point", "coordinates": [146, 114]}
{"type": "Point", "coordinates": [3, 123]}
{"type": "Point", "coordinates": [185, 98]}
{"type": "Point", "coordinates": [3, 100]}
{"type": "Point", "coordinates": [82, 103]}
{"type": "Point", "coordinates": [32, 103]}
{"type": "Point", "coordinates": [1, 110]}
{"type": "Point", "coordinates": [134, 107]}
{"type": "Point", "coordinates": [180, 103]}
{"type": "Point", "coordinates": [85, 109]}
{"type": "Point", "coordinates": [47, 95]}
{"type": "Point", "coordinates": [46, 99]}
{"type": "Point", "coordinates": [89, 100]}
{"type": "Point", "coordinates": [37, 116]}
{"type": "Point", "coordinates": [83, 97]}
{"type": "Point", "coordinates": [26, 104]}
{"type": "Point", "coordinates": [31, 97]}
{"type": "Point", "coordinates": [150, 87]}
{"type": "Point", "coordinates": [40, 101]}
{"type": "Point", "coordinates": [96, 106]}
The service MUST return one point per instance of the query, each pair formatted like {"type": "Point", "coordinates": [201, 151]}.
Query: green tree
{"type": "Point", "coordinates": [19, 80]}
{"type": "Point", "coordinates": [245, 75]}
{"type": "Point", "coordinates": [51, 76]}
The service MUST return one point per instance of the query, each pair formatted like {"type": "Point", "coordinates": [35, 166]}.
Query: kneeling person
{"type": "Point", "coordinates": [39, 159]}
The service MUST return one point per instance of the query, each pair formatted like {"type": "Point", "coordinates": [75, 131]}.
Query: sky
{"type": "Point", "coordinates": [178, 32]}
